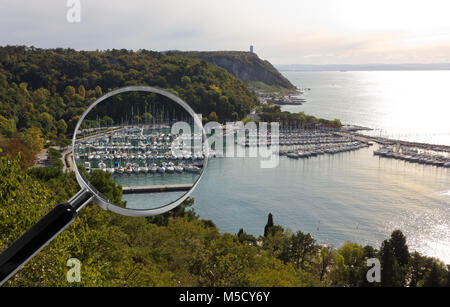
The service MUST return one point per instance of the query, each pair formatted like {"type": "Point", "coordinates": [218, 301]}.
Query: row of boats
{"type": "Point", "coordinates": [130, 168]}
{"type": "Point", "coordinates": [132, 151]}
{"type": "Point", "coordinates": [313, 137]}
{"type": "Point", "coordinates": [313, 151]}
{"type": "Point", "coordinates": [121, 154]}
{"type": "Point", "coordinates": [413, 155]}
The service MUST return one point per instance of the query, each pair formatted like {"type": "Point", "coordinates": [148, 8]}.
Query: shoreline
{"type": "Point", "coordinates": [388, 141]}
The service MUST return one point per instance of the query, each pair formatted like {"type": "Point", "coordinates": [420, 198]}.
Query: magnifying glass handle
{"type": "Point", "coordinates": [40, 234]}
{"type": "Point", "coordinates": [34, 239]}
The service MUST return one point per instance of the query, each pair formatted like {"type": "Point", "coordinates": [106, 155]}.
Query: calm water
{"type": "Point", "coordinates": [153, 200]}
{"type": "Point", "coordinates": [410, 105]}
{"type": "Point", "coordinates": [352, 196]}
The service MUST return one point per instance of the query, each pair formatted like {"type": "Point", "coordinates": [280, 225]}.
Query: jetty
{"type": "Point", "coordinates": [157, 188]}
{"type": "Point", "coordinates": [423, 146]}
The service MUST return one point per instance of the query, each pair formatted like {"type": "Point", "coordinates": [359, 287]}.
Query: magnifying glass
{"type": "Point", "coordinates": [145, 139]}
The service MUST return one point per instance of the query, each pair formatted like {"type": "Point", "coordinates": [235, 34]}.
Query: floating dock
{"type": "Point", "coordinates": [157, 188]}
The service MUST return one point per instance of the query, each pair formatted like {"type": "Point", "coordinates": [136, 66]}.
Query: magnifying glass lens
{"type": "Point", "coordinates": [145, 142]}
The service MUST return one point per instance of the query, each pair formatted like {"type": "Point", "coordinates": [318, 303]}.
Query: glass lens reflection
{"type": "Point", "coordinates": [144, 142]}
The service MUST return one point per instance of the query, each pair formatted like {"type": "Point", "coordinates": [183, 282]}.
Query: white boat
{"type": "Point", "coordinates": [129, 168]}
{"type": "Point", "coordinates": [153, 168]}
{"type": "Point", "coordinates": [170, 168]}
{"type": "Point", "coordinates": [87, 166]}
{"type": "Point", "coordinates": [192, 169]}
{"type": "Point", "coordinates": [143, 169]}
{"type": "Point", "coordinates": [162, 168]}
{"type": "Point", "coordinates": [102, 166]}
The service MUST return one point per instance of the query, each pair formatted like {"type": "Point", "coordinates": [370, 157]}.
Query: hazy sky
{"type": "Point", "coordinates": [282, 31]}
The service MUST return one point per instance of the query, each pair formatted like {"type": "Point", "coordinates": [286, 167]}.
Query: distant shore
{"type": "Point", "coordinates": [363, 67]}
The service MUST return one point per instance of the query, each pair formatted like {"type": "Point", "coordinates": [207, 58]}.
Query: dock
{"type": "Point", "coordinates": [423, 146]}
{"type": "Point", "coordinates": [157, 188]}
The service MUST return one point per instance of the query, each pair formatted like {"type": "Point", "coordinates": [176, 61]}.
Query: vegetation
{"type": "Point", "coordinates": [49, 89]}
{"type": "Point", "coordinates": [273, 113]}
{"type": "Point", "coordinates": [43, 93]}
{"type": "Point", "coordinates": [180, 249]}
{"type": "Point", "coordinates": [55, 158]}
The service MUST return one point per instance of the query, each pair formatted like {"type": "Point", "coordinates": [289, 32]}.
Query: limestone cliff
{"type": "Point", "coordinates": [245, 66]}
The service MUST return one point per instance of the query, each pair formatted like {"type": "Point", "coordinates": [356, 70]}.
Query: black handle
{"type": "Point", "coordinates": [34, 239]}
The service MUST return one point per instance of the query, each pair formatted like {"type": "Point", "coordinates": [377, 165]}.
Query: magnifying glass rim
{"type": "Point", "coordinates": [103, 202]}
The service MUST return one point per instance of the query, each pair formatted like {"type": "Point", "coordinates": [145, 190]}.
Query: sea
{"type": "Point", "coordinates": [351, 196]}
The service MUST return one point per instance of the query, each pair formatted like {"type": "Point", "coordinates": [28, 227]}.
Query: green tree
{"type": "Point", "coordinates": [353, 270]}
{"type": "Point", "coordinates": [81, 91]}
{"type": "Point", "coordinates": [391, 275]}
{"type": "Point", "coordinates": [61, 126]}
{"type": "Point", "coordinates": [324, 261]}
{"type": "Point", "coordinates": [418, 266]}
{"type": "Point", "coordinates": [103, 182]}
{"type": "Point", "coordinates": [244, 237]}
{"type": "Point", "coordinates": [185, 80]}
{"type": "Point", "coordinates": [399, 247]}
{"type": "Point", "coordinates": [107, 121]}
{"type": "Point", "coordinates": [301, 249]}
{"type": "Point", "coordinates": [98, 91]}
{"type": "Point", "coordinates": [212, 117]}
{"type": "Point", "coordinates": [7, 126]}
{"type": "Point", "coordinates": [69, 92]}
{"type": "Point", "coordinates": [434, 277]}
{"type": "Point", "coordinates": [33, 138]}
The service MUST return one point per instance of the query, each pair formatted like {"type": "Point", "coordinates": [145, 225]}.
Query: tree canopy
{"type": "Point", "coordinates": [49, 88]}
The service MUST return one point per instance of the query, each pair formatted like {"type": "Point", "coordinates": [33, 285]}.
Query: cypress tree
{"type": "Point", "coordinates": [268, 225]}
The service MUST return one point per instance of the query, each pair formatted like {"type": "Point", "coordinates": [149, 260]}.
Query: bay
{"type": "Point", "coordinates": [352, 196]}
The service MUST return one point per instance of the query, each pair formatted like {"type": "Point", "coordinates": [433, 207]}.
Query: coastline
{"type": "Point", "coordinates": [354, 130]}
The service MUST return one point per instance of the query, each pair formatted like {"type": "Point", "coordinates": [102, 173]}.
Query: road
{"type": "Point", "coordinates": [69, 160]}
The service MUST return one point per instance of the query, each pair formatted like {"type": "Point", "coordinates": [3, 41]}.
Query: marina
{"type": "Point", "coordinates": [158, 161]}
{"type": "Point", "coordinates": [311, 143]}
{"type": "Point", "coordinates": [354, 196]}
{"type": "Point", "coordinates": [136, 150]}
{"type": "Point", "coordinates": [414, 155]}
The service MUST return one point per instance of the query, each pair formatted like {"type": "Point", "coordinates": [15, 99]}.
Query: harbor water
{"type": "Point", "coordinates": [407, 105]}
{"type": "Point", "coordinates": [350, 196]}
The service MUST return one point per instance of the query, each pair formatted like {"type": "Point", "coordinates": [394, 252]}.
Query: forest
{"type": "Point", "coordinates": [43, 93]}
{"type": "Point", "coordinates": [50, 88]}
{"type": "Point", "coordinates": [180, 249]}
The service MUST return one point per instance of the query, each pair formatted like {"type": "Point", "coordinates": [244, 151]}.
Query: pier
{"type": "Point", "coordinates": [157, 188]}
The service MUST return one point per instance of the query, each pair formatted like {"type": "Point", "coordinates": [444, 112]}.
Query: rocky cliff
{"type": "Point", "coordinates": [245, 66]}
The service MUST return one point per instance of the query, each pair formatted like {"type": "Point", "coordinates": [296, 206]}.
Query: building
{"type": "Point", "coordinates": [251, 48]}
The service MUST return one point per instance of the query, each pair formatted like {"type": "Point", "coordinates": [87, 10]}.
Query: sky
{"type": "Point", "coordinates": [282, 31]}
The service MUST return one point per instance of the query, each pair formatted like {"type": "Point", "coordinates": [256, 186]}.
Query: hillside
{"type": "Point", "coordinates": [49, 88]}
{"type": "Point", "coordinates": [245, 66]}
